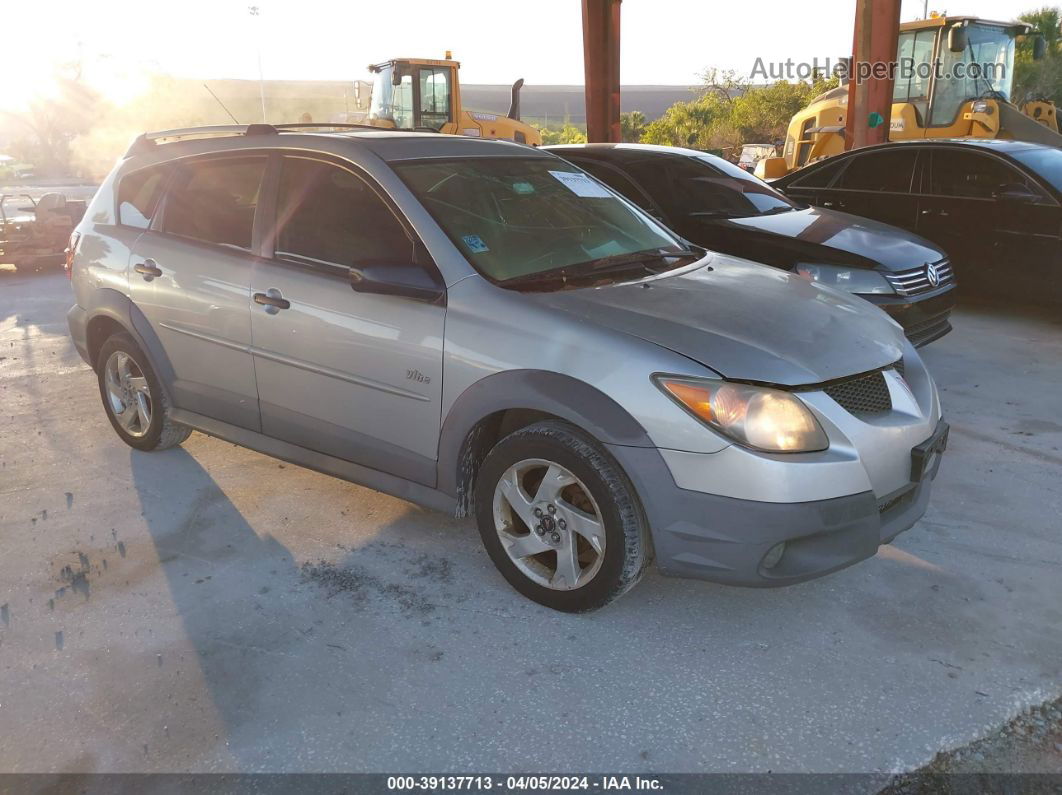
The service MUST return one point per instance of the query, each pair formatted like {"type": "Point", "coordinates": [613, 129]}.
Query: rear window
{"type": "Point", "coordinates": [514, 217]}
{"type": "Point", "coordinates": [138, 196]}
{"type": "Point", "coordinates": [214, 200]}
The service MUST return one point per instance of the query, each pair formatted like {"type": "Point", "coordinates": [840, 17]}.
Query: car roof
{"type": "Point", "coordinates": [624, 151]}
{"type": "Point", "coordinates": [988, 144]}
{"type": "Point", "coordinates": [388, 145]}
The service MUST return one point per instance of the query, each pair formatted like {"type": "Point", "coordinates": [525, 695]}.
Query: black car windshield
{"type": "Point", "coordinates": [517, 217]}
{"type": "Point", "coordinates": [1047, 163]}
{"type": "Point", "coordinates": [706, 186]}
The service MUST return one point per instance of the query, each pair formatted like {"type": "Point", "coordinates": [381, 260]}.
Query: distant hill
{"type": "Point", "coordinates": [553, 103]}
{"type": "Point", "coordinates": [540, 104]}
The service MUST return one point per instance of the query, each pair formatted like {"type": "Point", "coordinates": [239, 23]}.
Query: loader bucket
{"type": "Point", "coordinates": [1016, 126]}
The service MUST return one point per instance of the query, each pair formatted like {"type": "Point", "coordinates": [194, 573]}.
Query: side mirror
{"type": "Point", "coordinates": [1016, 194]}
{"type": "Point", "coordinates": [400, 279]}
{"type": "Point", "coordinates": [1039, 48]}
{"type": "Point", "coordinates": [957, 38]}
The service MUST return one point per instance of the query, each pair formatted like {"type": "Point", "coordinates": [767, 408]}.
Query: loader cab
{"type": "Point", "coordinates": [414, 94]}
{"type": "Point", "coordinates": [976, 61]}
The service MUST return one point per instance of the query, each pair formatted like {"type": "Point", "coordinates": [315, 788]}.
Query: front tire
{"type": "Point", "coordinates": [133, 397]}
{"type": "Point", "coordinates": [560, 519]}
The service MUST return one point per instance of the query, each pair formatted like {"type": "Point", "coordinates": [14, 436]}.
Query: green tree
{"type": "Point", "coordinates": [729, 111]}
{"type": "Point", "coordinates": [632, 125]}
{"type": "Point", "coordinates": [568, 134]}
{"type": "Point", "coordinates": [1040, 79]}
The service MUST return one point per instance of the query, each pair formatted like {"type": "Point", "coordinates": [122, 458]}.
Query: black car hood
{"type": "Point", "coordinates": [746, 321]}
{"type": "Point", "coordinates": [801, 233]}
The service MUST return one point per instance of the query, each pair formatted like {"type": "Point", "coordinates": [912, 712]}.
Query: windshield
{"type": "Point", "coordinates": [706, 186]}
{"type": "Point", "coordinates": [390, 102]}
{"type": "Point", "coordinates": [1046, 163]}
{"type": "Point", "coordinates": [984, 68]}
{"type": "Point", "coordinates": [517, 217]}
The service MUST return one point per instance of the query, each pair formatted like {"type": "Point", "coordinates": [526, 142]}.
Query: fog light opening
{"type": "Point", "coordinates": [773, 556]}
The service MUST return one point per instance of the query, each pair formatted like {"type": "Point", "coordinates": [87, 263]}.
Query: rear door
{"type": "Point", "coordinates": [190, 276]}
{"type": "Point", "coordinates": [878, 184]}
{"type": "Point", "coordinates": [354, 375]}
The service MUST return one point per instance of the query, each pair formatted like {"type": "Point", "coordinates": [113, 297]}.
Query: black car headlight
{"type": "Point", "coordinates": [853, 280]}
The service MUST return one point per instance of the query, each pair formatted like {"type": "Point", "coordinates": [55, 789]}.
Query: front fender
{"type": "Point", "coordinates": [537, 390]}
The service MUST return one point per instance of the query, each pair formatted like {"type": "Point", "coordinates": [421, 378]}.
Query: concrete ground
{"type": "Point", "coordinates": [211, 609]}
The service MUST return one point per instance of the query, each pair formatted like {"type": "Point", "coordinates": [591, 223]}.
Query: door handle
{"type": "Point", "coordinates": [827, 204]}
{"type": "Point", "coordinates": [149, 269]}
{"type": "Point", "coordinates": [272, 300]}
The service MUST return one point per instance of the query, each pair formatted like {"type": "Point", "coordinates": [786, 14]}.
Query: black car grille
{"type": "Point", "coordinates": [917, 280]}
{"type": "Point", "coordinates": [867, 394]}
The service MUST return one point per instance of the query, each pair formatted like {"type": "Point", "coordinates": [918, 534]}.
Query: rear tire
{"type": "Point", "coordinates": [133, 397]}
{"type": "Point", "coordinates": [560, 519]}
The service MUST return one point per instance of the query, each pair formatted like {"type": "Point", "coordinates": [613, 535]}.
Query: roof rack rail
{"type": "Point", "coordinates": [145, 142]}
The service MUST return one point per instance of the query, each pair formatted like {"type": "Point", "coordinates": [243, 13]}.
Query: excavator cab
{"type": "Point", "coordinates": [425, 95]}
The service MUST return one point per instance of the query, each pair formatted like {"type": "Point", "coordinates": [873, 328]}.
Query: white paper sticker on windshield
{"type": "Point", "coordinates": [581, 185]}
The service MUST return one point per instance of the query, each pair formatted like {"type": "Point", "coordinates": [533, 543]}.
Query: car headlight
{"type": "Point", "coordinates": [758, 417]}
{"type": "Point", "coordinates": [854, 280]}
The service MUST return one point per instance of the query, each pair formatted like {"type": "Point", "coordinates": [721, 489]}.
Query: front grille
{"type": "Point", "coordinates": [867, 394]}
{"type": "Point", "coordinates": [916, 280]}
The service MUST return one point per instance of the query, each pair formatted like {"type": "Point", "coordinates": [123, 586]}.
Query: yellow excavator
{"type": "Point", "coordinates": [944, 93]}
{"type": "Point", "coordinates": [424, 94]}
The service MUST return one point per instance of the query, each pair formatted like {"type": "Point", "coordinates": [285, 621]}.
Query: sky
{"type": "Point", "coordinates": [667, 42]}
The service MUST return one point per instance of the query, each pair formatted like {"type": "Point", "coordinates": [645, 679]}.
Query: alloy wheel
{"type": "Point", "coordinates": [549, 524]}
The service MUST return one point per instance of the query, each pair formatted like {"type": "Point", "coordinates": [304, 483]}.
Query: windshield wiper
{"type": "Point", "coordinates": [611, 264]}
{"type": "Point", "coordinates": [778, 210]}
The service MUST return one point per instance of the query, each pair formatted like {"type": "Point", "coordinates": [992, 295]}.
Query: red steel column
{"type": "Point", "coordinates": [601, 63]}
{"type": "Point", "coordinates": [877, 32]}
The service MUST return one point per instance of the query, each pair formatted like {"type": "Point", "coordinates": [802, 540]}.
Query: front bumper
{"type": "Point", "coordinates": [923, 318]}
{"type": "Point", "coordinates": [724, 539]}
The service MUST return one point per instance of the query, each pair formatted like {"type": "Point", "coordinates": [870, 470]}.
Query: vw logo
{"type": "Point", "coordinates": [932, 275]}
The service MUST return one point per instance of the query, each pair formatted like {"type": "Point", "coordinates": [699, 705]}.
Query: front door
{"type": "Point", "coordinates": [352, 375]}
{"type": "Point", "coordinates": [994, 246]}
{"type": "Point", "coordinates": [190, 275]}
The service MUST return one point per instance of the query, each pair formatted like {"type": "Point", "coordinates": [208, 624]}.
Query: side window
{"type": "Point", "coordinates": [889, 171]}
{"type": "Point", "coordinates": [616, 180]}
{"type": "Point", "coordinates": [139, 194]}
{"type": "Point", "coordinates": [915, 60]}
{"type": "Point", "coordinates": [214, 200]}
{"type": "Point", "coordinates": [326, 214]}
{"type": "Point", "coordinates": [821, 176]}
{"type": "Point", "coordinates": [970, 175]}
{"type": "Point", "coordinates": [434, 97]}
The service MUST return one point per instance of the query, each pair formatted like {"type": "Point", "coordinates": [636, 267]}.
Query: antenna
{"type": "Point", "coordinates": [215, 96]}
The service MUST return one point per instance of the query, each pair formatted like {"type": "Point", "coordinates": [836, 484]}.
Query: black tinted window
{"type": "Point", "coordinates": [214, 200]}
{"type": "Point", "coordinates": [970, 175]}
{"type": "Point", "coordinates": [138, 196]}
{"type": "Point", "coordinates": [615, 180]}
{"type": "Point", "coordinates": [819, 176]}
{"type": "Point", "coordinates": [327, 214]}
{"type": "Point", "coordinates": [889, 171]}
{"type": "Point", "coordinates": [705, 186]}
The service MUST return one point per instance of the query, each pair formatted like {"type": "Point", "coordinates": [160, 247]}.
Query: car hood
{"type": "Point", "coordinates": [889, 246]}
{"type": "Point", "coordinates": [746, 321]}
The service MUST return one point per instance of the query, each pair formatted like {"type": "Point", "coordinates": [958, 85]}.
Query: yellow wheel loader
{"type": "Point", "coordinates": [954, 79]}
{"type": "Point", "coordinates": [423, 94]}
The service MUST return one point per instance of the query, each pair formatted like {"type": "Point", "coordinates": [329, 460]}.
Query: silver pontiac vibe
{"type": "Point", "coordinates": [482, 328]}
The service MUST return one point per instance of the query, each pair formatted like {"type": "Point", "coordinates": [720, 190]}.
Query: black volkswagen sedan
{"type": "Point", "coordinates": [715, 204]}
{"type": "Point", "coordinates": [992, 205]}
